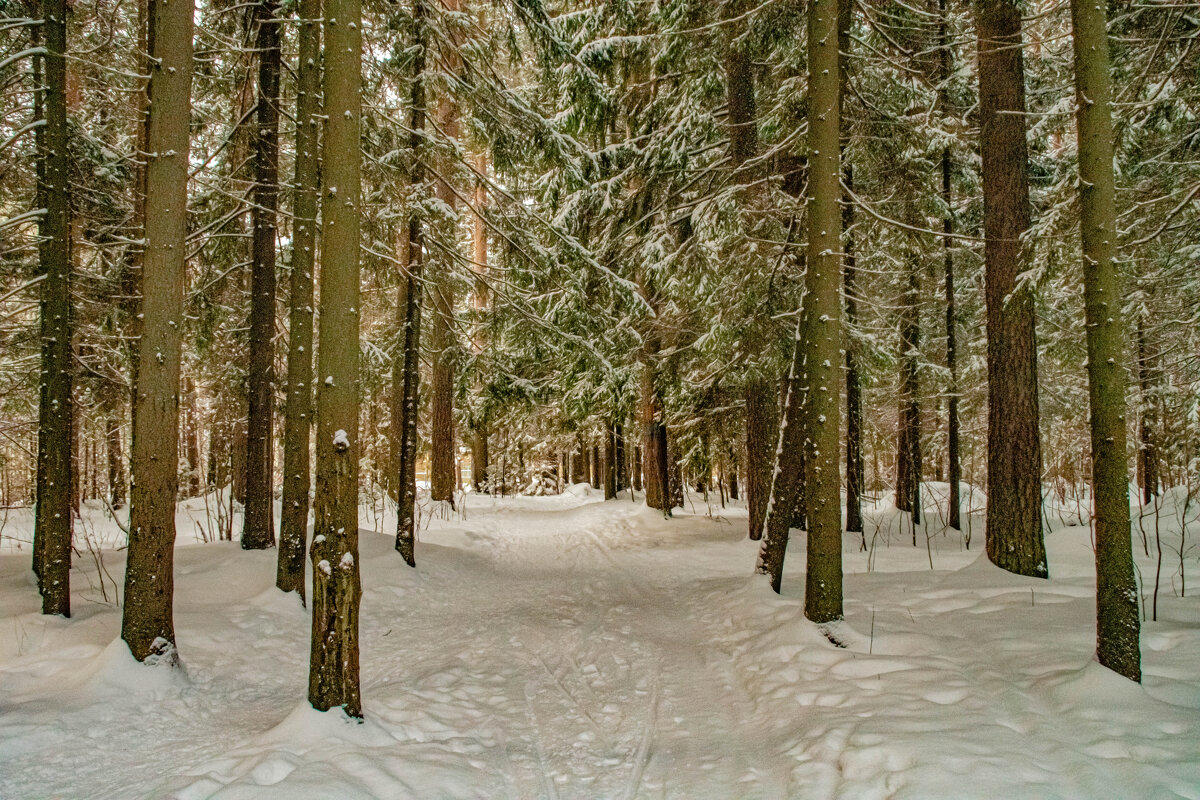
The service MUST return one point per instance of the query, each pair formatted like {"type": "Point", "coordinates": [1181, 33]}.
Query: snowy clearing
{"type": "Point", "coordinates": [563, 647]}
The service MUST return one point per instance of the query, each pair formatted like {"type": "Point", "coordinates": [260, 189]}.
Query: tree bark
{"type": "Point", "coordinates": [610, 461]}
{"type": "Point", "coordinates": [908, 440]}
{"type": "Point", "coordinates": [789, 470]}
{"type": "Point", "coordinates": [823, 327]}
{"type": "Point", "coordinates": [147, 620]}
{"type": "Point", "coordinates": [406, 375]}
{"type": "Point", "coordinates": [297, 422]}
{"type": "Point", "coordinates": [654, 444]}
{"type": "Point", "coordinates": [1014, 509]}
{"type": "Point", "coordinates": [1117, 623]}
{"type": "Point", "coordinates": [56, 468]}
{"type": "Point", "coordinates": [115, 458]}
{"type": "Point", "coordinates": [952, 445]}
{"type": "Point", "coordinates": [1148, 377]}
{"type": "Point", "coordinates": [337, 589]}
{"type": "Point", "coordinates": [443, 456]}
{"type": "Point", "coordinates": [258, 531]}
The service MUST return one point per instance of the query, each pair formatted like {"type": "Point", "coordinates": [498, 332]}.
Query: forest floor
{"type": "Point", "coordinates": [565, 647]}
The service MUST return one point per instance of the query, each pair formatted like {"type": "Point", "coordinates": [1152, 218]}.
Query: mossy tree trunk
{"type": "Point", "coordinates": [1117, 623]}
{"type": "Point", "coordinates": [333, 663]}
{"type": "Point", "coordinates": [822, 319]}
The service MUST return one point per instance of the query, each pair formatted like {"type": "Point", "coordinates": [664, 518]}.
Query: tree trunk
{"type": "Point", "coordinates": [854, 453]}
{"type": "Point", "coordinates": [610, 461]}
{"type": "Point", "coordinates": [1148, 376]}
{"type": "Point", "coordinates": [297, 422]}
{"type": "Point", "coordinates": [258, 531]}
{"type": "Point", "coordinates": [908, 440]}
{"type": "Point", "coordinates": [620, 478]}
{"type": "Point", "coordinates": [1014, 469]}
{"type": "Point", "coordinates": [443, 457]}
{"type": "Point", "coordinates": [954, 466]}
{"type": "Point", "coordinates": [333, 663]}
{"type": "Point", "coordinates": [637, 468]}
{"type": "Point", "coordinates": [1117, 623]}
{"type": "Point", "coordinates": [654, 444]}
{"type": "Point", "coordinates": [147, 622]}
{"type": "Point", "coordinates": [854, 457]}
{"type": "Point", "coordinates": [56, 470]}
{"type": "Point", "coordinates": [823, 328]}
{"type": "Point", "coordinates": [406, 375]}
{"type": "Point", "coordinates": [115, 458]}
{"type": "Point", "coordinates": [762, 433]}
{"type": "Point", "coordinates": [789, 470]}
{"type": "Point", "coordinates": [191, 436]}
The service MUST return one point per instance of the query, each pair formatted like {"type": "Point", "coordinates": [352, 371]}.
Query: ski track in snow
{"type": "Point", "coordinates": [565, 648]}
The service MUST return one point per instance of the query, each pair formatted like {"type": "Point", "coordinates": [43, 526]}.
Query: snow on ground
{"type": "Point", "coordinates": [565, 647]}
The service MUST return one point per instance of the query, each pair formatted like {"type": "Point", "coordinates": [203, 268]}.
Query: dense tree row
{"type": "Point", "coordinates": [809, 253]}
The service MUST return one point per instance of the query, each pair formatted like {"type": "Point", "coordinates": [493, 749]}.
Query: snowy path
{"type": "Point", "coordinates": [565, 648]}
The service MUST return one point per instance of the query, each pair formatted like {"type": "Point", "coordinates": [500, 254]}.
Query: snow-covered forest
{"type": "Point", "coordinates": [599, 399]}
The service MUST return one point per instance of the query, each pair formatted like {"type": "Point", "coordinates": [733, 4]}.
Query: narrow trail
{"type": "Point", "coordinates": [590, 648]}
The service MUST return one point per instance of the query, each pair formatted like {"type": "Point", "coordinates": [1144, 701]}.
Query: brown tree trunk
{"type": "Point", "coordinates": [789, 470]}
{"type": "Point", "coordinates": [406, 374]}
{"type": "Point", "coordinates": [297, 423]}
{"type": "Point", "coordinates": [1014, 509]}
{"type": "Point", "coordinates": [610, 461]}
{"type": "Point", "coordinates": [908, 440]}
{"type": "Point", "coordinates": [147, 621]}
{"type": "Point", "coordinates": [115, 458]}
{"type": "Point", "coordinates": [654, 444]}
{"type": "Point", "coordinates": [258, 530]}
{"type": "Point", "coordinates": [1148, 376]}
{"type": "Point", "coordinates": [443, 457]}
{"type": "Point", "coordinates": [55, 465]}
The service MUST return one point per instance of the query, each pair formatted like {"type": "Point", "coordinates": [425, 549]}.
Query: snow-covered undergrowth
{"type": "Point", "coordinates": [564, 647]}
